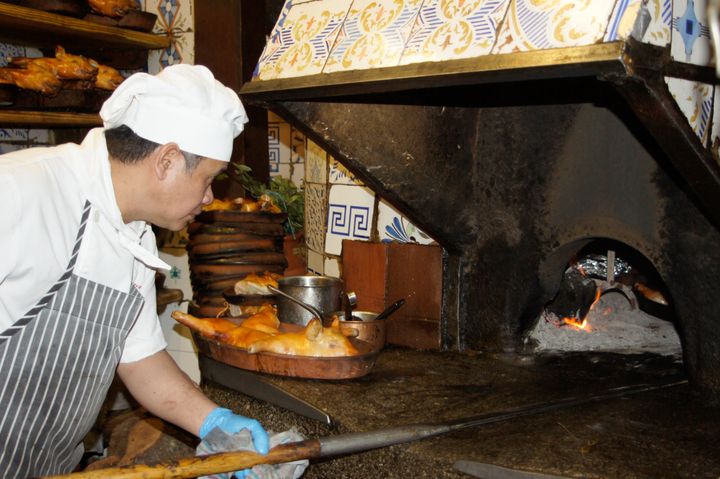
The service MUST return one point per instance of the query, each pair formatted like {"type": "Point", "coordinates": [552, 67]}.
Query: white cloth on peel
{"type": "Point", "coordinates": [219, 441]}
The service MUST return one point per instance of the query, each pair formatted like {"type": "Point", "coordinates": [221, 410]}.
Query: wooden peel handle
{"type": "Point", "coordinates": [204, 465]}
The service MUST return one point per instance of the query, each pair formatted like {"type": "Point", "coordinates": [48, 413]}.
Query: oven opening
{"type": "Point", "coordinates": [610, 299]}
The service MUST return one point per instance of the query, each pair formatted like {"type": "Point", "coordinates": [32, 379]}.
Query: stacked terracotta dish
{"type": "Point", "coordinates": [225, 246]}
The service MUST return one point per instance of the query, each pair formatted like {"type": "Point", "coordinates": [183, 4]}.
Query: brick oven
{"type": "Point", "coordinates": [518, 162]}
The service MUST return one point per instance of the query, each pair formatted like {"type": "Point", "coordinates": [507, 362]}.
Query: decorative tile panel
{"type": "Point", "coordinates": [447, 29]}
{"type": "Point", "coordinates": [542, 24]}
{"type": "Point", "coordinates": [695, 101]}
{"type": "Point", "coordinates": [349, 216]}
{"type": "Point", "coordinates": [302, 39]}
{"type": "Point", "coordinates": [316, 164]}
{"type": "Point", "coordinates": [279, 145]}
{"type": "Point", "coordinates": [373, 34]}
{"type": "Point", "coordinates": [14, 134]}
{"type": "Point", "coordinates": [394, 227]}
{"type": "Point", "coordinates": [340, 175]}
{"type": "Point", "coordinates": [315, 215]}
{"type": "Point", "coordinates": [174, 17]}
{"type": "Point", "coordinates": [690, 32]}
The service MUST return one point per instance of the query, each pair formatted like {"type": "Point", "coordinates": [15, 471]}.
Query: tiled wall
{"type": "Point", "coordinates": [327, 36]}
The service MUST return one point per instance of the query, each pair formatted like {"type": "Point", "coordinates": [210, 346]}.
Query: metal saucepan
{"type": "Point", "coordinates": [324, 293]}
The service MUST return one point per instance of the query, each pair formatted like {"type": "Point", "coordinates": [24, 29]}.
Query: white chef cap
{"type": "Point", "coordinates": [183, 104]}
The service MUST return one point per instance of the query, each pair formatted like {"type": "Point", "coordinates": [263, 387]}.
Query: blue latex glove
{"type": "Point", "coordinates": [231, 423]}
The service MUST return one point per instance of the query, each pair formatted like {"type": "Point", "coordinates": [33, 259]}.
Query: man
{"type": "Point", "coordinates": [77, 274]}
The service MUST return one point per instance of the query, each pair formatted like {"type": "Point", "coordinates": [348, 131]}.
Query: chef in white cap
{"type": "Point", "coordinates": [77, 275]}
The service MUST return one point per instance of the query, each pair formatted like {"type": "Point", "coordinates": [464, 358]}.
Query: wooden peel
{"type": "Point", "coordinates": [204, 465]}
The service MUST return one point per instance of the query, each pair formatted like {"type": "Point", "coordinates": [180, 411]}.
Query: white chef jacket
{"type": "Point", "coordinates": [42, 195]}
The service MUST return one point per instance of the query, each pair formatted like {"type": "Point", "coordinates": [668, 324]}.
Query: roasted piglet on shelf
{"type": "Point", "coordinates": [113, 8]}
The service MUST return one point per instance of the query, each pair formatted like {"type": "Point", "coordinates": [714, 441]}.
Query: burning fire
{"type": "Point", "coordinates": [582, 324]}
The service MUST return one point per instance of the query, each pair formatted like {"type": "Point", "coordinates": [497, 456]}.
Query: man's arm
{"type": "Point", "coordinates": [162, 388]}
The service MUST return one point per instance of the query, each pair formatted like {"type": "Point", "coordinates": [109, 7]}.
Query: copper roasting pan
{"type": "Point", "coordinates": [343, 367]}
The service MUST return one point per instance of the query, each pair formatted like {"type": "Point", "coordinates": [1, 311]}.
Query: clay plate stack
{"type": "Point", "coordinates": [226, 246]}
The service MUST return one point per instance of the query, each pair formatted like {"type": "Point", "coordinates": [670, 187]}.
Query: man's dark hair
{"type": "Point", "coordinates": [127, 147]}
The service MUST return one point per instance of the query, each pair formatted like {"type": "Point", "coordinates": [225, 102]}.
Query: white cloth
{"type": "Point", "coordinates": [219, 441]}
{"type": "Point", "coordinates": [42, 194]}
{"type": "Point", "coordinates": [183, 104]}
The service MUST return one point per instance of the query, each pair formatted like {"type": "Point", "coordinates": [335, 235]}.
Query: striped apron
{"type": "Point", "coordinates": [56, 365]}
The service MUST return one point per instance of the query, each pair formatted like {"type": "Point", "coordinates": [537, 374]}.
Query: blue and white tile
{"type": "Point", "coordinates": [715, 134]}
{"type": "Point", "coordinates": [280, 142]}
{"type": "Point", "coordinates": [181, 50]}
{"type": "Point", "coordinates": [316, 200]}
{"type": "Point", "coordinates": [350, 216]}
{"type": "Point", "coordinates": [316, 262]}
{"type": "Point", "coordinates": [339, 175]}
{"type": "Point", "coordinates": [8, 147]}
{"type": "Point", "coordinates": [690, 32]}
{"type": "Point", "coordinates": [14, 134]}
{"type": "Point", "coordinates": [451, 30]}
{"type": "Point", "coordinates": [624, 18]}
{"type": "Point", "coordinates": [532, 25]}
{"type": "Point", "coordinates": [394, 227]}
{"type": "Point", "coordinates": [8, 50]}
{"type": "Point", "coordinates": [331, 267]}
{"type": "Point", "coordinates": [173, 15]}
{"type": "Point", "coordinates": [659, 29]}
{"type": "Point", "coordinates": [302, 38]}
{"type": "Point", "coordinates": [316, 164]}
{"type": "Point", "coordinates": [373, 35]}
{"type": "Point", "coordinates": [695, 101]}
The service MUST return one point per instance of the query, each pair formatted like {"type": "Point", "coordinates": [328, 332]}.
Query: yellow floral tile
{"type": "Point", "coordinates": [452, 29]}
{"type": "Point", "coordinates": [544, 24]}
{"type": "Point", "coordinates": [695, 101]}
{"type": "Point", "coordinates": [302, 38]}
{"type": "Point", "coordinates": [373, 34]}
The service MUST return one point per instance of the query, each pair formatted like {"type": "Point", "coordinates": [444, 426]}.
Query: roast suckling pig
{"type": "Point", "coordinates": [113, 8]}
{"type": "Point", "coordinates": [257, 284]}
{"type": "Point", "coordinates": [260, 333]}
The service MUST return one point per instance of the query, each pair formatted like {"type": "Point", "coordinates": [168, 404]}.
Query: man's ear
{"type": "Point", "coordinates": [165, 158]}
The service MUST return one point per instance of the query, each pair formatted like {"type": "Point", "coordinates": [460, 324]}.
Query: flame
{"type": "Point", "coordinates": [582, 324]}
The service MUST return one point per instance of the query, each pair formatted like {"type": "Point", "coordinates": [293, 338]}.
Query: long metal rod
{"type": "Point", "coordinates": [363, 441]}
{"type": "Point", "coordinates": [342, 443]}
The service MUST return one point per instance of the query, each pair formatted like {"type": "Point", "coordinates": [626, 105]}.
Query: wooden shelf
{"type": "Point", "coordinates": [48, 119]}
{"type": "Point", "coordinates": [28, 26]}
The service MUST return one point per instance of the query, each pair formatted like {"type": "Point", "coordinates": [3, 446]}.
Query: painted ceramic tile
{"type": "Point", "coordinates": [624, 17]}
{"type": "Point", "coordinates": [302, 39]}
{"type": "Point", "coordinates": [13, 134]}
{"type": "Point", "coordinates": [7, 147]}
{"type": "Point", "coordinates": [654, 22]}
{"type": "Point", "coordinates": [690, 32]}
{"type": "Point", "coordinates": [695, 101]}
{"type": "Point", "coordinates": [373, 34]}
{"type": "Point", "coordinates": [394, 227]}
{"type": "Point", "coordinates": [316, 164]}
{"type": "Point", "coordinates": [173, 15]}
{"type": "Point", "coordinates": [715, 135]}
{"type": "Point", "coordinates": [279, 143]}
{"type": "Point", "coordinates": [542, 24]}
{"type": "Point", "coordinates": [451, 29]}
{"type": "Point", "coordinates": [331, 267]}
{"type": "Point", "coordinates": [340, 175]}
{"type": "Point", "coordinates": [315, 215]}
{"type": "Point", "coordinates": [316, 262]}
{"type": "Point", "coordinates": [7, 50]}
{"type": "Point", "coordinates": [349, 216]}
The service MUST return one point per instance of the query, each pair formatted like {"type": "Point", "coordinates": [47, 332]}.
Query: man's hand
{"type": "Point", "coordinates": [231, 423]}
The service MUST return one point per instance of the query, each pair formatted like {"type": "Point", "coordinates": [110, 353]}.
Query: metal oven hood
{"type": "Point", "coordinates": [513, 181]}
